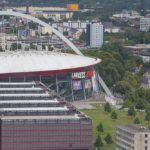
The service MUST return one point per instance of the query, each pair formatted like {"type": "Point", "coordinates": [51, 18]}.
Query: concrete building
{"type": "Point", "coordinates": [141, 50]}
{"type": "Point", "coordinates": [144, 24]}
{"type": "Point", "coordinates": [137, 49]}
{"type": "Point", "coordinates": [94, 35]}
{"type": "Point", "coordinates": [79, 24]}
{"type": "Point", "coordinates": [43, 30]}
{"type": "Point", "coordinates": [2, 41]}
{"type": "Point", "coordinates": [4, 38]}
{"type": "Point", "coordinates": [145, 80]}
{"type": "Point", "coordinates": [109, 28]}
{"type": "Point", "coordinates": [126, 14]}
{"type": "Point", "coordinates": [32, 117]}
{"type": "Point", "coordinates": [145, 57]}
{"type": "Point", "coordinates": [56, 13]}
{"type": "Point", "coordinates": [24, 34]}
{"type": "Point", "coordinates": [132, 137]}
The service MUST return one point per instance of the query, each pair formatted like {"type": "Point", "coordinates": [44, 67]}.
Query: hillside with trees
{"type": "Point", "coordinates": [116, 70]}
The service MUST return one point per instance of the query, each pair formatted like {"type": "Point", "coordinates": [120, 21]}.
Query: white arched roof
{"type": "Point", "coordinates": [38, 61]}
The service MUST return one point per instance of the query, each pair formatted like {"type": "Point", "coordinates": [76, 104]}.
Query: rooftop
{"type": "Point", "coordinates": [28, 105]}
{"type": "Point", "coordinates": [139, 46]}
{"type": "Point", "coordinates": [134, 128]}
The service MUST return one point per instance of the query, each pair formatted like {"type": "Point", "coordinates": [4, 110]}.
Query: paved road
{"type": "Point", "coordinates": [86, 104]}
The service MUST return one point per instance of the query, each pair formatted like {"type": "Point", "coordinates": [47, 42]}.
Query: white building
{"type": "Point", "coordinates": [132, 137]}
{"type": "Point", "coordinates": [94, 35]}
{"type": "Point", "coordinates": [127, 15]}
{"type": "Point", "coordinates": [79, 25]}
{"type": "Point", "coordinates": [44, 30]}
{"type": "Point", "coordinates": [144, 24]}
{"type": "Point", "coordinates": [146, 80]}
{"type": "Point", "coordinates": [109, 28]}
{"type": "Point", "coordinates": [4, 38]}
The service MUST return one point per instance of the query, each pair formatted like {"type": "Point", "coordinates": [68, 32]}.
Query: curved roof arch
{"type": "Point", "coordinates": [28, 17]}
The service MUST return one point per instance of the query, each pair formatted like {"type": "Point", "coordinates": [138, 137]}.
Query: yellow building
{"type": "Point", "coordinates": [56, 13]}
{"type": "Point", "coordinates": [72, 7]}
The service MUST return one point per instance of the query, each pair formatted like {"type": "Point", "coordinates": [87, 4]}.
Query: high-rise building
{"type": "Point", "coordinates": [32, 117]}
{"type": "Point", "coordinates": [132, 137]}
{"type": "Point", "coordinates": [94, 35]}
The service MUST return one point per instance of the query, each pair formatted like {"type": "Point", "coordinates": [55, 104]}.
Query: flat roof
{"type": "Point", "coordinates": [26, 95]}
{"type": "Point", "coordinates": [35, 109]}
{"type": "Point", "coordinates": [139, 46]}
{"type": "Point", "coordinates": [29, 101]}
{"type": "Point", "coordinates": [134, 128]}
{"type": "Point", "coordinates": [18, 83]}
{"type": "Point", "coordinates": [21, 89]}
{"type": "Point", "coordinates": [75, 116]}
{"type": "Point", "coordinates": [61, 112]}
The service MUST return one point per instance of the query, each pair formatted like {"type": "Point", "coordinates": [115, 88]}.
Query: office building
{"type": "Point", "coordinates": [32, 117]}
{"type": "Point", "coordinates": [94, 35]}
{"type": "Point", "coordinates": [132, 137]}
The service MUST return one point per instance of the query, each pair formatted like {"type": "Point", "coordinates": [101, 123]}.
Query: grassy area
{"type": "Point", "coordinates": [99, 115]}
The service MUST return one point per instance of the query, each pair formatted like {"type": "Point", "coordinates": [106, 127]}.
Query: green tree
{"type": "Point", "coordinates": [32, 46]}
{"type": "Point", "coordinates": [108, 139]}
{"type": "Point", "coordinates": [15, 46]}
{"type": "Point", "coordinates": [98, 143]}
{"type": "Point", "coordinates": [100, 127]}
{"type": "Point", "coordinates": [131, 111]}
{"type": "Point", "coordinates": [107, 107]}
{"type": "Point", "coordinates": [82, 36]}
{"type": "Point", "coordinates": [147, 117]}
{"type": "Point", "coordinates": [127, 103]}
{"type": "Point", "coordinates": [1, 50]}
{"type": "Point", "coordinates": [140, 104]}
{"type": "Point", "coordinates": [114, 115]}
{"type": "Point", "coordinates": [32, 25]}
{"type": "Point", "coordinates": [136, 120]}
{"type": "Point", "coordinates": [122, 87]}
{"type": "Point", "coordinates": [65, 33]}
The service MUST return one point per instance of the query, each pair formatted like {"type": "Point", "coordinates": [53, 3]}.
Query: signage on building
{"type": "Point", "coordinates": [82, 75]}
{"type": "Point", "coordinates": [77, 85]}
{"type": "Point", "coordinates": [88, 84]}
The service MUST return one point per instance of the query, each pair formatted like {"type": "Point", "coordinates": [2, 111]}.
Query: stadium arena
{"type": "Point", "coordinates": [71, 75]}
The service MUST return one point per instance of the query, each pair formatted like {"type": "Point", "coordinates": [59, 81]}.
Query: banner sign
{"type": "Point", "coordinates": [88, 84]}
{"type": "Point", "coordinates": [77, 85]}
{"type": "Point", "coordinates": [82, 75]}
